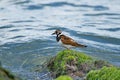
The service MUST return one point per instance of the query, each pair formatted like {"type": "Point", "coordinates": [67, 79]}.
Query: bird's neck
{"type": "Point", "coordinates": [58, 37]}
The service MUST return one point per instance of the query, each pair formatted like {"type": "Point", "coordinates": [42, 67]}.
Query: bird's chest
{"type": "Point", "coordinates": [60, 42]}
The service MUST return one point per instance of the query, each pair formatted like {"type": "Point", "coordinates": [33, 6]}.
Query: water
{"type": "Point", "coordinates": [26, 27]}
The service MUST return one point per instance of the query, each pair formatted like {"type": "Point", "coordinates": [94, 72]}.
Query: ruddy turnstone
{"type": "Point", "coordinates": [66, 41]}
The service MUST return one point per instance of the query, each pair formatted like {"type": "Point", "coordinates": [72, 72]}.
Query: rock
{"type": "Point", "coordinates": [100, 63]}
{"type": "Point", "coordinates": [67, 62]}
{"type": "Point", "coordinates": [106, 73]}
{"type": "Point", "coordinates": [74, 64]}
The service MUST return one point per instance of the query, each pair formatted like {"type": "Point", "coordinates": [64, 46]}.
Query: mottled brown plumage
{"type": "Point", "coordinates": [69, 41]}
{"type": "Point", "coordinates": [66, 41]}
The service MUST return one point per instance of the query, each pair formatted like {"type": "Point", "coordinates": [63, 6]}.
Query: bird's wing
{"type": "Point", "coordinates": [69, 41]}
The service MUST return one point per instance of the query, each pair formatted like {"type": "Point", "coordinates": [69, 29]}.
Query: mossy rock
{"type": "Point", "coordinates": [64, 77]}
{"type": "Point", "coordinates": [106, 73]}
{"type": "Point", "coordinates": [67, 61]}
{"type": "Point", "coordinates": [6, 75]}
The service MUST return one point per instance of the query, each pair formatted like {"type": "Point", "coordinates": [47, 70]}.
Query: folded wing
{"type": "Point", "coordinates": [69, 41]}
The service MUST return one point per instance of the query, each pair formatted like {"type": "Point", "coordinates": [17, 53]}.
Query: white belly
{"type": "Point", "coordinates": [66, 46]}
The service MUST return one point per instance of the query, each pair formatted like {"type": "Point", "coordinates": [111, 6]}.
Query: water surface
{"type": "Point", "coordinates": [26, 27]}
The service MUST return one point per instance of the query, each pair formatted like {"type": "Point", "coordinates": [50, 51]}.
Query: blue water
{"type": "Point", "coordinates": [26, 27]}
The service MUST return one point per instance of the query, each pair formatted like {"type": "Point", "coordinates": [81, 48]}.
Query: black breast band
{"type": "Point", "coordinates": [58, 38]}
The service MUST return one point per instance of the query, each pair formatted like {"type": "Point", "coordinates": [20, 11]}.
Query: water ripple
{"type": "Point", "coordinates": [111, 29]}
{"type": "Point", "coordinates": [16, 37]}
{"type": "Point", "coordinates": [115, 18]}
{"type": "Point", "coordinates": [22, 2]}
{"type": "Point", "coordinates": [14, 30]}
{"type": "Point", "coordinates": [61, 4]}
{"type": "Point", "coordinates": [1, 8]}
{"type": "Point", "coordinates": [101, 39]}
{"type": "Point", "coordinates": [103, 14]}
{"type": "Point", "coordinates": [23, 21]}
{"type": "Point", "coordinates": [6, 26]}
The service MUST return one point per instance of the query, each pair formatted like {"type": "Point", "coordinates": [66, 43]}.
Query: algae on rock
{"type": "Point", "coordinates": [73, 63]}
{"type": "Point", "coordinates": [106, 73]}
{"type": "Point", "coordinates": [64, 77]}
{"type": "Point", "coordinates": [67, 62]}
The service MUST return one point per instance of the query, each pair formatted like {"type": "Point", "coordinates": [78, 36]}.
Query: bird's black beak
{"type": "Point", "coordinates": [53, 33]}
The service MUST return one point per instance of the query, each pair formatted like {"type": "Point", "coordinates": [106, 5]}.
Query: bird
{"type": "Point", "coordinates": [66, 41]}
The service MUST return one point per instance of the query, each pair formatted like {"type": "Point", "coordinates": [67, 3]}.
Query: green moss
{"type": "Point", "coordinates": [65, 77]}
{"type": "Point", "coordinates": [67, 57]}
{"type": "Point", "coordinates": [70, 55]}
{"type": "Point", "coordinates": [106, 73]}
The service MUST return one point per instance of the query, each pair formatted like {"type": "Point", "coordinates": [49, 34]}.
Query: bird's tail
{"type": "Point", "coordinates": [80, 45]}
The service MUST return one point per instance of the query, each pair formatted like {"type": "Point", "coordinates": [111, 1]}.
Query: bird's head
{"type": "Point", "coordinates": [57, 32]}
